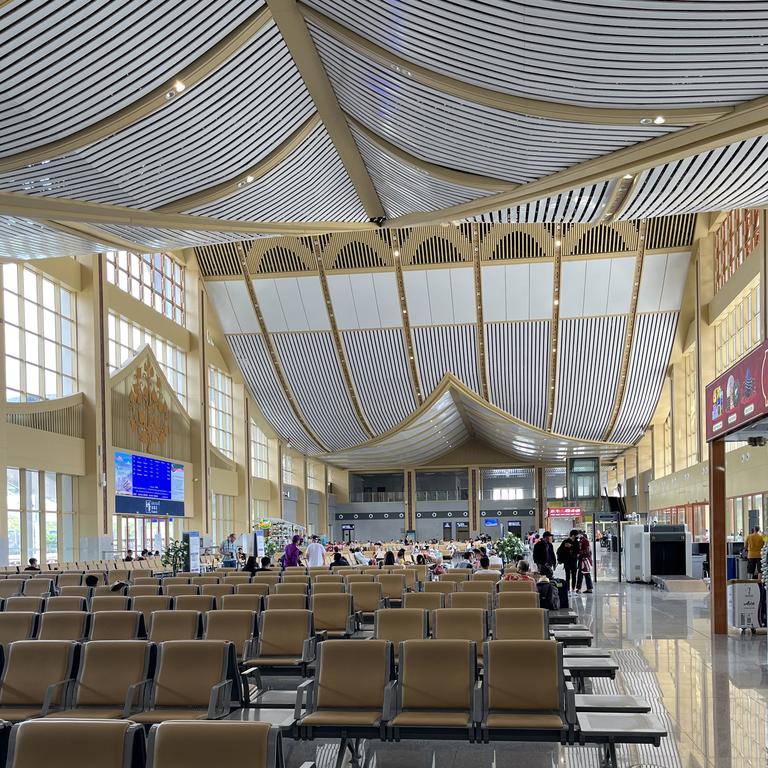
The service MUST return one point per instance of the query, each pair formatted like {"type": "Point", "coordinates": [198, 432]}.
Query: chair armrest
{"type": "Point", "coordinates": [570, 703]}
{"type": "Point", "coordinates": [220, 693]}
{"type": "Point", "coordinates": [305, 688]}
{"type": "Point", "coordinates": [50, 692]}
{"type": "Point", "coordinates": [390, 701]}
{"type": "Point", "coordinates": [386, 602]}
{"type": "Point", "coordinates": [142, 687]}
{"type": "Point", "coordinates": [309, 764]}
{"type": "Point", "coordinates": [477, 701]}
{"type": "Point", "coordinates": [251, 648]}
{"type": "Point", "coordinates": [350, 625]}
{"type": "Point", "coordinates": [309, 649]}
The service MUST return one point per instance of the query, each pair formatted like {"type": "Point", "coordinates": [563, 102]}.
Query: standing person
{"type": "Point", "coordinates": [568, 556]}
{"type": "Point", "coordinates": [585, 564]}
{"type": "Point", "coordinates": [292, 553]}
{"type": "Point", "coordinates": [228, 547]}
{"type": "Point", "coordinates": [315, 553]}
{"type": "Point", "coordinates": [544, 552]}
{"type": "Point", "coordinates": [755, 544]}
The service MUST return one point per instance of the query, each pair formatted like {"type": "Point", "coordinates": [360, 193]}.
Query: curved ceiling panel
{"type": "Point", "coordinates": [378, 362]}
{"type": "Point", "coordinates": [627, 53]}
{"type": "Point", "coordinates": [68, 65]}
{"type": "Point", "coordinates": [289, 191]}
{"type": "Point", "coordinates": [251, 354]}
{"type": "Point", "coordinates": [651, 348]}
{"type": "Point", "coordinates": [448, 131]}
{"type": "Point", "coordinates": [26, 239]}
{"type": "Point", "coordinates": [518, 368]}
{"type": "Point", "coordinates": [205, 136]}
{"type": "Point", "coordinates": [310, 358]}
{"type": "Point", "coordinates": [437, 430]}
{"type": "Point", "coordinates": [446, 349]}
{"type": "Point", "coordinates": [576, 206]}
{"type": "Point", "coordinates": [589, 361]}
{"type": "Point", "coordinates": [734, 176]}
{"type": "Point", "coordinates": [404, 188]}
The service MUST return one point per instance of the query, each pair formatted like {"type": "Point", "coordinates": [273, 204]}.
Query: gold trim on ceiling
{"type": "Point", "coordinates": [340, 353]}
{"type": "Point", "coordinates": [155, 100]}
{"type": "Point", "coordinates": [407, 335]}
{"type": "Point", "coordinates": [293, 29]}
{"type": "Point", "coordinates": [482, 369]}
{"type": "Point", "coordinates": [504, 101]}
{"type": "Point", "coordinates": [279, 372]}
{"type": "Point", "coordinates": [629, 334]}
{"type": "Point", "coordinates": [554, 332]}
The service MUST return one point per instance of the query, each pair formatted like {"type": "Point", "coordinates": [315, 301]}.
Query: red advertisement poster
{"type": "Point", "coordinates": [564, 512]}
{"type": "Point", "coordinates": [739, 395]}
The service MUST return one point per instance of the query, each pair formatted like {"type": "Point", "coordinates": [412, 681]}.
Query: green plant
{"type": "Point", "coordinates": [175, 555]}
{"type": "Point", "coordinates": [509, 547]}
{"type": "Point", "coordinates": [270, 547]}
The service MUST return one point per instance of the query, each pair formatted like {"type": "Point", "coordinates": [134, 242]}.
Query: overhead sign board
{"type": "Point", "coordinates": [739, 395]}
{"type": "Point", "coordinates": [564, 512]}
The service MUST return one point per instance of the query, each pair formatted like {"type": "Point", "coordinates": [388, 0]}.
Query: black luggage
{"type": "Point", "coordinates": [562, 591]}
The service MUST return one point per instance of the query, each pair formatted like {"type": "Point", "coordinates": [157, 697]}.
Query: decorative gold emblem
{"type": "Point", "coordinates": [149, 417]}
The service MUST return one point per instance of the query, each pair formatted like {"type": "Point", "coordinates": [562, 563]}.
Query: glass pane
{"type": "Point", "coordinates": [67, 333]}
{"type": "Point", "coordinates": [13, 492]}
{"type": "Point", "coordinates": [12, 373]}
{"type": "Point", "coordinates": [11, 308]}
{"type": "Point", "coordinates": [30, 316]}
{"type": "Point", "coordinates": [66, 493]}
{"type": "Point", "coordinates": [33, 535]}
{"type": "Point", "coordinates": [67, 538]}
{"type": "Point", "coordinates": [51, 537]}
{"type": "Point", "coordinates": [51, 385]}
{"type": "Point", "coordinates": [32, 374]}
{"type": "Point", "coordinates": [49, 294]}
{"type": "Point", "coordinates": [14, 538]}
{"type": "Point", "coordinates": [30, 285]}
{"type": "Point", "coordinates": [32, 498]}
{"type": "Point", "coordinates": [10, 277]}
{"type": "Point", "coordinates": [66, 303]}
{"type": "Point", "coordinates": [50, 492]}
{"type": "Point", "coordinates": [31, 348]}
{"type": "Point", "coordinates": [49, 324]}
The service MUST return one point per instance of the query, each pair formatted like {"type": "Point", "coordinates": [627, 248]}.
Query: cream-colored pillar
{"type": "Point", "coordinates": [705, 339]}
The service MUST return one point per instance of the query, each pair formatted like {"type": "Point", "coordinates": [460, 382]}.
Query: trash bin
{"type": "Point", "coordinates": [743, 602]}
{"type": "Point", "coordinates": [732, 567]}
{"type": "Point", "coordinates": [697, 566]}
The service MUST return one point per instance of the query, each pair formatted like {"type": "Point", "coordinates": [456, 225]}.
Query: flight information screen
{"type": "Point", "coordinates": [144, 485]}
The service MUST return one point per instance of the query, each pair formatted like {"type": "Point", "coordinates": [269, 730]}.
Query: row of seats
{"type": "Point", "coordinates": [122, 744]}
{"type": "Point", "coordinates": [436, 692]}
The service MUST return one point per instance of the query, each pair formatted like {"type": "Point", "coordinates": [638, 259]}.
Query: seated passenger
{"type": "Point", "coordinates": [485, 567]}
{"type": "Point", "coordinates": [33, 566]}
{"type": "Point", "coordinates": [338, 559]}
{"type": "Point", "coordinates": [521, 573]}
{"type": "Point", "coordinates": [466, 562]}
{"type": "Point", "coordinates": [548, 595]}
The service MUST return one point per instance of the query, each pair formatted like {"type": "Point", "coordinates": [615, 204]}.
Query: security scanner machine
{"type": "Point", "coordinates": [657, 553]}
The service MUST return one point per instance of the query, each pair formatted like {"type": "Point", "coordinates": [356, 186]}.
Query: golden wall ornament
{"type": "Point", "coordinates": [148, 411]}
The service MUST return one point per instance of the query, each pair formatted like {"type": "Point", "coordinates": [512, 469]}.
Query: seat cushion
{"type": "Point", "coordinates": [273, 661]}
{"type": "Point", "coordinates": [507, 720]}
{"type": "Point", "coordinates": [432, 718]}
{"type": "Point", "coordinates": [343, 717]}
{"type": "Point", "coordinates": [163, 714]}
{"type": "Point", "coordinates": [87, 713]}
{"type": "Point", "coordinates": [17, 714]}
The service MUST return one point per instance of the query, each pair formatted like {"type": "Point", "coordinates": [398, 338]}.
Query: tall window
{"type": "Point", "coordinates": [667, 446]}
{"type": "Point", "coordinates": [738, 330]}
{"type": "Point", "coordinates": [222, 517]}
{"type": "Point", "coordinates": [40, 337]}
{"type": "Point", "coordinates": [734, 241]}
{"type": "Point", "coordinates": [259, 511]}
{"type": "Point", "coordinates": [220, 410]}
{"type": "Point", "coordinates": [126, 339]}
{"type": "Point", "coordinates": [156, 279]}
{"type": "Point", "coordinates": [287, 469]}
{"type": "Point", "coordinates": [259, 452]}
{"type": "Point", "coordinates": [691, 411]}
{"type": "Point", "coordinates": [315, 475]}
{"type": "Point", "coordinates": [40, 516]}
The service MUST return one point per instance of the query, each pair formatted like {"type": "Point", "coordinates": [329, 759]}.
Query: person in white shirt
{"type": "Point", "coordinates": [360, 557]}
{"type": "Point", "coordinates": [496, 561]}
{"type": "Point", "coordinates": [316, 553]}
{"type": "Point", "coordinates": [485, 567]}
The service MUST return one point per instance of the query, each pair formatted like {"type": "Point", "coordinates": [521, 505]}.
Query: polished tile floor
{"type": "Point", "coordinates": [711, 694]}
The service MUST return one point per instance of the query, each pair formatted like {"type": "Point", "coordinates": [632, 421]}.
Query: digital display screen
{"type": "Point", "coordinates": [144, 485]}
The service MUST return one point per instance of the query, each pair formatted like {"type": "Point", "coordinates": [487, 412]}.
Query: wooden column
{"type": "Point", "coordinates": [717, 562]}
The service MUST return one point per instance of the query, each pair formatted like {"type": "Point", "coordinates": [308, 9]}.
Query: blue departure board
{"type": "Point", "coordinates": [144, 485]}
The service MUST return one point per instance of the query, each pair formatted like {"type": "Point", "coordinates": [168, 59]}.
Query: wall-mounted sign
{"type": "Point", "coordinates": [739, 395]}
{"type": "Point", "coordinates": [564, 512]}
{"type": "Point", "coordinates": [490, 521]}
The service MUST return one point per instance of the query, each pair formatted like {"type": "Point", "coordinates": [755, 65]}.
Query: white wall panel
{"type": "Point", "coordinates": [674, 281]}
{"type": "Point", "coordinates": [417, 296]}
{"type": "Point", "coordinates": [620, 290]}
{"type": "Point", "coordinates": [597, 278]}
{"type": "Point", "coordinates": [462, 294]}
{"type": "Point", "coordinates": [517, 280]}
{"type": "Point", "coordinates": [291, 304]}
{"type": "Point", "coordinates": [387, 300]}
{"type": "Point", "coordinates": [343, 302]}
{"type": "Point", "coordinates": [440, 299]}
{"type": "Point", "coordinates": [542, 287]}
{"type": "Point", "coordinates": [652, 282]}
{"type": "Point", "coordinates": [364, 296]}
{"type": "Point", "coordinates": [270, 305]}
{"type": "Point", "coordinates": [313, 302]}
{"type": "Point", "coordinates": [242, 306]}
{"type": "Point", "coordinates": [572, 277]}
{"type": "Point", "coordinates": [219, 296]}
{"type": "Point", "coordinates": [493, 281]}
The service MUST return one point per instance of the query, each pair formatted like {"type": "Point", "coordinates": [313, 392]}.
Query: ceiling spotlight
{"type": "Point", "coordinates": [628, 176]}
{"type": "Point", "coordinates": [646, 121]}
{"type": "Point", "coordinates": [556, 302]}
{"type": "Point", "coordinates": [558, 243]}
{"type": "Point", "coordinates": [169, 94]}
{"type": "Point", "coordinates": [396, 253]}
{"type": "Point", "coordinates": [178, 86]}
{"type": "Point", "coordinates": [659, 120]}
{"type": "Point", "coordinates": [249, 179]}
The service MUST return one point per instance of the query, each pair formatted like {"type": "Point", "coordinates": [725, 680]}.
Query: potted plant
{"type": "Point", "coordinates": [509, 548]}
{"type": "Point", "coordinates": [175, 555]}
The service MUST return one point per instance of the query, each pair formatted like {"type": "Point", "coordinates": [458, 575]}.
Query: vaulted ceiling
{"type": "Point", "coordinates": [183, 123]}
{"type": "Point", "coordinates": [394, 197]}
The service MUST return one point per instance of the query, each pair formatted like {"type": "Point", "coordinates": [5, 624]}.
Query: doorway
{"type": "Point", "coordinates": [515, 527]}
{"type": "Point", "coordinates": [447, 531]}
{"type": "Point", "coordinates": [462, 531]}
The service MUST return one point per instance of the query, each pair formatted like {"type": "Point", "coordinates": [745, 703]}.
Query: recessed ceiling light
{"type": "Point", "coordinates": [558, 243]}
{"type": "Point", "coordinates": [628, 176]}
{"type": "Point", "coordinates": [249, 179]}
{"type": "Point", "coordinates": [178, 86]}
{"type": "Point", "coordinates": [659, 120]}
{"type": "Point", "coordinates": [646, 120]}
{"type": "Point", "coordinates": [395, 253]}
{"type": "Point", "coordinates": [169, 94]}
{"type": "Point", "coordinates": [556, 302]}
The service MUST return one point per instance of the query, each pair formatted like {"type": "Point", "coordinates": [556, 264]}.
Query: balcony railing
{"type": "Point", "coordinates": [461, 494]}
{"type": "Point", "coordinates": [379, 496]}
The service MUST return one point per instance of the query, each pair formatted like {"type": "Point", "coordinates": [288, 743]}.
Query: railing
{"type": "Point", "coordinates": [452, 495]}
{"type": "Point", "coordinates": [380, 496]}
{"type": "Point", "coordinates": [737, 237]}
{"type": "Point", "coordinates": [507, 494]}
{"type": "Point", "coordinates": [64, 415]}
